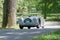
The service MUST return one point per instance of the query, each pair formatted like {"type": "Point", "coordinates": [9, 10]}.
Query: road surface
{"type": "Point", "coordinates": [25, 34]}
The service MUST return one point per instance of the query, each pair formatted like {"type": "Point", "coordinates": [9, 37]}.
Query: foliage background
{"type": "Point", "coordinates": [49, 7]}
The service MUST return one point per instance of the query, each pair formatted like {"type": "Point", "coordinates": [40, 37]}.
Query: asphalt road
{"type": "Point", "coordinates": [25, 34]}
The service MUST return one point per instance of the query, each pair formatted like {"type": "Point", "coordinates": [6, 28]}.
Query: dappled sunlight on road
{"type": "Point", "coordinates": [23, 34]}
{"type": "Point", "coordinates": [3, 37]}
{"type": "Point", "coordinates": [52, 24]}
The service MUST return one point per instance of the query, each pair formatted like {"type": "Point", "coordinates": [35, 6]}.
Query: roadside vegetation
{"type": "Point", "coordinates": [48, 9]}
{"type": "Point", "coordinates": [50, 36]}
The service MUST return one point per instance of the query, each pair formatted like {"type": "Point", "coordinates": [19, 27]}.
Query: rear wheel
{"type": "Point", "coordinates": [28, 27]}
{"type": "Point", "coordinates": [38, 26]}
{"type": "Point", "coordinates": [21, 27]}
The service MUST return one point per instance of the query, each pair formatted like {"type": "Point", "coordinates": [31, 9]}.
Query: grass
{"type": "Point", "coordinates": [49, 36]}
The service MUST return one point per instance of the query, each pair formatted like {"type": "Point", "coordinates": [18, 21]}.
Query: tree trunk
{"type": "Point", "coordinates": [44, 10]}
{"type": "Point", "coordinates": [9, 13]}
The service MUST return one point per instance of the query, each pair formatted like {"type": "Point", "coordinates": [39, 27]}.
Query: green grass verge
{"type": "Point", "coordinates": [49, 36]}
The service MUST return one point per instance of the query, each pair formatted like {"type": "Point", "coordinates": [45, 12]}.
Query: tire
{"type": "Point", "coordinates": [28, 27]}
{"type": "Point", "coordinates": [38, 26]}
{"type": "Point", "coordinates": [21, 27]}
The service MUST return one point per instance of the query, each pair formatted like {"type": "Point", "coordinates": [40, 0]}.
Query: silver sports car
{"type": "Point", "coordinates": [32, 21]}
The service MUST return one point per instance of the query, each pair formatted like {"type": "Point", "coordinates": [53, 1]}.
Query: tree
{"type": "Point", "coordinates": [45, 9]}
{"type": "Point", "coordinates": [9, 13]}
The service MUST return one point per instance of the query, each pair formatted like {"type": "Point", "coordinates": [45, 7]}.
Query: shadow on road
{"type": "Point", "coordinates": [25, 34]}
